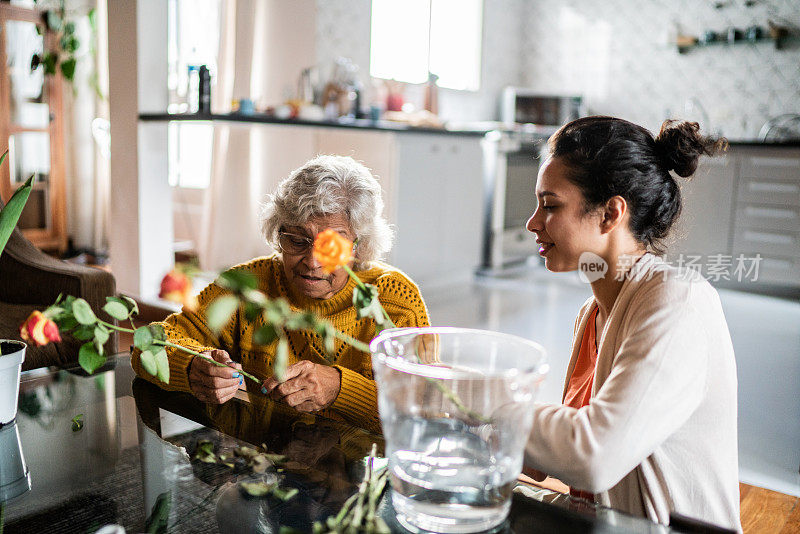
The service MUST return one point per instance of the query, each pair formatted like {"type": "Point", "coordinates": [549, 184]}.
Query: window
{"type": "Point", "coordinates": [193, 40]}
{"type": "Point", "coordinates": [190, 144]}
{"type": "Point", "coordinates": [415, 37]}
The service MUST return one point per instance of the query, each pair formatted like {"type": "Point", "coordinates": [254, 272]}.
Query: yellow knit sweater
{"type": "Point", "coordinates": [357, 399]}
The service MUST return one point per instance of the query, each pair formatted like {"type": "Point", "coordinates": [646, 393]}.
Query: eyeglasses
{"type": "Point", "coordinates": [294, 243]}
{"type": "Point", "coordinates": [298, 244]}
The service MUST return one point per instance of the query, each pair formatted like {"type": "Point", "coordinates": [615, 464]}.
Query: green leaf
{"type": "Point", "coordinates": [84, 332]}
{"type": "Point", "coordinates": [281, 357]}
{"type": "Point", "coordinates": [149, 362]}
{"type": "Point", "coordinates": [49, 61]}
{"type": "Point", "coordinates": [255, 296]}
{"type": "Point", "coordinates": [251, 311]}
{"type": "Point", "coordinates": [77, 423]}
{"type": "Point", "coordinates": [53, 311]}
{"type": "Point", "coordinates": [9, 215]}
{"type": "Point", "coordinates": [329, 339]}
{"type": "Point", "coordinates": [299, 321]}
{"type": "Point", "coordinates": [66, 322]}
{"type": "Point", "coordinates": [276, 311]}
{"type": "Point", "coordinates": [68, 68]}
{"type": "Point", "coordinates": [128, 302]}
{"type": "Point", "coordinates": [275, 458]}
{"type": "Point", "coordinates": [158, 332]}
{"type": "Point", "coordinates": [83, 312]}
{"type": "Point", "coordinates": [116, 310]}
{"type": "Point", "coordinates": [142, 338]}
{"type": "Point", "coordinates": [89, 359]}
{"type": "Point", "coordinates": [237, 280]}
{"type": "Point", "coordinates": [101, 334]}
{"type": "Point", "coordinates": [158, 521]}
{"type": "Point", "coordinates": [54, 21]}
{"type": "Point", "coordinates": [284, 494]}
{"type": "Point", "coordinates": [256, 489]}
{"type": "Point", "coordinates": [366, 303]}
{"type": "Point", "coordinates": [265, 335]}
{"type": "Point", "coordinates": [69, 43]}
{"type": "Point", "coordinates": [219, 313]}
{"type": "Point", "coordinates": [162, 365]}
{"type": "Point", "coordinates": [205, 452]}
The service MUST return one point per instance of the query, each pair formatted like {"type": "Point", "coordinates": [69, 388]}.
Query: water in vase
{"type": "Point", "coordinates": [447, 477]}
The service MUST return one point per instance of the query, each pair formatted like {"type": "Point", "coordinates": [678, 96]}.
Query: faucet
{"type": "Point", "coordinates": [781, 125]}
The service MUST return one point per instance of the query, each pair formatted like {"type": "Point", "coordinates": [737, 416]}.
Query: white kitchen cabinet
{"type": "Point", "coordinates": [375, 149]}
{"type": "Point", "coordinates": [745, 204]}
{"type": "Point", "coordinates": [432, 188]}
{"type": "Point", "coordinates": [768, 213]}
{"type": "Point", "coordinates": [704, 226]}
{"type": "Point", "coordinates": [439, 203]}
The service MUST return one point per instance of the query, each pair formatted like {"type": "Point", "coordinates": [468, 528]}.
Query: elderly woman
{"type": "Point", "coordinates": [327, 192]}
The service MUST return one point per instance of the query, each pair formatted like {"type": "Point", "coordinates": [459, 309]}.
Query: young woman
{"type": "Point", "coordinates": [648, 420]}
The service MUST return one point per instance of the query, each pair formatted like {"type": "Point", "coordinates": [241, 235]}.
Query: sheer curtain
{"type": "Point", "coordinates": [86, 141]}
{"type": "Point", "coordinates": [257, 60]}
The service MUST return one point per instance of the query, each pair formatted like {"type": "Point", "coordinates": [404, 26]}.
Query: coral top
{"type": "Point", "coordinates": [579, 386]}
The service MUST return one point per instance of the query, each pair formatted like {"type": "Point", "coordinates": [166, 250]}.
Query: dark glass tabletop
{"type": "Point", "coordinates": [156, 461]}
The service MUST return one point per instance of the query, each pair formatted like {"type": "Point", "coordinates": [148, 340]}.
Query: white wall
{"type": "Point", "coordinates": [615, 53]}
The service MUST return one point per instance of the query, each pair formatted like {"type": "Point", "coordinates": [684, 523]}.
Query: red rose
{"type": "Point", "coordinates": [39, 330]}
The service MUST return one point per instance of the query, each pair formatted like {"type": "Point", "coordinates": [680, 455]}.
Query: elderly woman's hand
{"type": "Point", "coordinates": [211, 383]}
{"type": "Point", "coordinates": [309, 387]}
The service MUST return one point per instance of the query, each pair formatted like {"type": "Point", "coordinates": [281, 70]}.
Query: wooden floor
{"type": "Point", "coordinates": [768, 512]}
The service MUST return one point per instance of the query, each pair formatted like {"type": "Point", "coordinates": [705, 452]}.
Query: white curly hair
{"type": "Point", "coordinates": [331, 185]}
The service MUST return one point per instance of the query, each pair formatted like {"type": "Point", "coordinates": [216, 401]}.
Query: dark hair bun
{"type": "Point", "coordinates": [679, 146]}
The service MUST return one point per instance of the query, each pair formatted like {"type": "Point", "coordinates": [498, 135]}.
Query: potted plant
{"type": "Point", "coordinates": [12, 352]}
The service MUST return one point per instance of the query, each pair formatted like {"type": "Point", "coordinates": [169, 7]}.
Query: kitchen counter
{"type": "Point", "coordinates": [358, 124]}
{"type": "Point", "coordinates": [789, 143]}
{"type": "Point", "coordinates": [467, 129]}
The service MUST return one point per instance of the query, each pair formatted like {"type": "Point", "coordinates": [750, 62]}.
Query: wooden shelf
{"type": "Point", "coordinates": [779, 43]}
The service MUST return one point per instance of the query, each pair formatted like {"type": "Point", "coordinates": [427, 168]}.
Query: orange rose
{"type": "Point", "coordinates": [39, 330]}
{"type": "Point", "coordinates": [177, 287]}
{"type": "Point", "coordinates": [332, 250]}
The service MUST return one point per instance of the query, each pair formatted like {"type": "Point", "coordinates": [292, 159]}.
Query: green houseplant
{"type": "Point", "coordinates": [12, 352]}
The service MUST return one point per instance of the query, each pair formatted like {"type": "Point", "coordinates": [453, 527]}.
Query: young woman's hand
{"type": "Point", "coordinates": [536, 475]}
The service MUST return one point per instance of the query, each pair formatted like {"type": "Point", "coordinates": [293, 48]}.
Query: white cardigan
{"type": "Point", "coordinates": [659, 433]}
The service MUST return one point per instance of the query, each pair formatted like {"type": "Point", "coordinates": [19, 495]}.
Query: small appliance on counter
{"type": "Point", "coordinates": [526, 106]}
{"type": "Point", "coordinates": [512, 156]}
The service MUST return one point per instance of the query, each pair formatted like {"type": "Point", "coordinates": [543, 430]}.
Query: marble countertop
{"type": "Point", "coordinates": [461, 128]}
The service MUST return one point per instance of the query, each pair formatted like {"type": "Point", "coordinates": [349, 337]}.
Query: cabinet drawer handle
{"type": "Point", "coordinates": [775, 162]}
{"type": "Point", "coordinates": [772, 187]}
{"type": "Point", "coordinates": [770, 213]}
{"type": "Point", "coordinates": [763, 237]}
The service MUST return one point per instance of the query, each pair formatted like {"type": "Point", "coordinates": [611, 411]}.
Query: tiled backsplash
{"type": "Point", "coordinates": [343, 29]}
{"type": "Point", "coordinates": [615, 53]}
